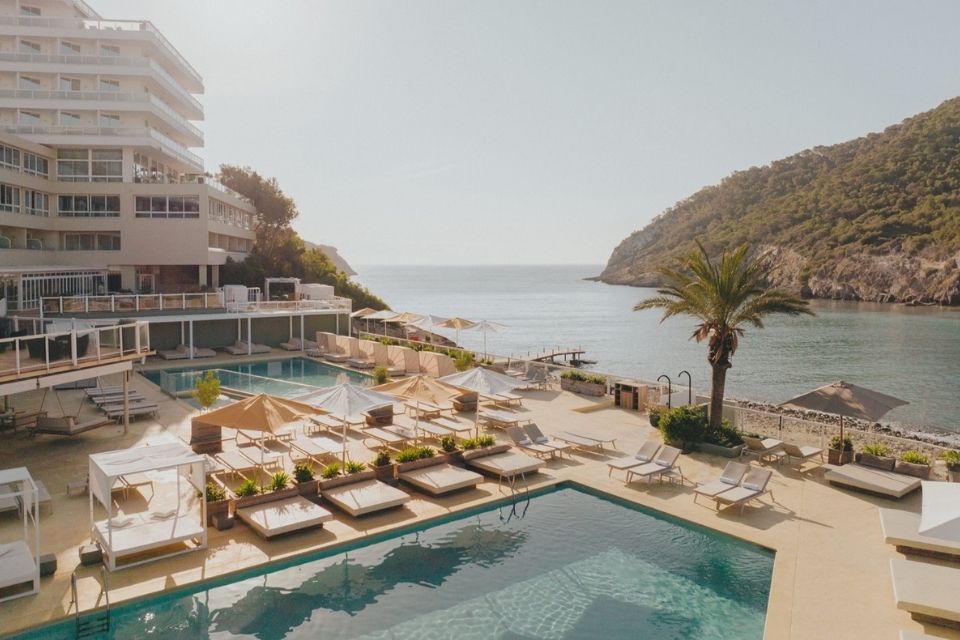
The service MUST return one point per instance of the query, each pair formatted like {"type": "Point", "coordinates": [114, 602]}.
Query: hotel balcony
{"type": "Point", "coordinates": [111, 30]}
{"type": "Point", "coordinates": [112, 65]}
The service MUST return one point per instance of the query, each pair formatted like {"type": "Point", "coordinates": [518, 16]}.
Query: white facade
{"type": "Point", "coordinates": [97, 126]}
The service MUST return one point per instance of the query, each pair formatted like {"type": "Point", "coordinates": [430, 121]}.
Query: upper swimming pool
{"type": "Point", "coordinates": [288, 377]}
{"type": "Point", "coordinates": [563, 564]}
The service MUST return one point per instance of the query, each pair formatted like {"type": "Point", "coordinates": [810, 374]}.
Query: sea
{"type": "Point", "coordinates": [912, 353]}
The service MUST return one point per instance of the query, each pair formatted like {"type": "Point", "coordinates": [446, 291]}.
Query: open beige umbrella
{"type": "Point", "coordinates": [845, 399]}
{"type": "Point", "coordinates": [421, 388]}
{"type": "Point", "coordinates": [458, 324]}
{"type": "Point", "coordinates": [363, 313]}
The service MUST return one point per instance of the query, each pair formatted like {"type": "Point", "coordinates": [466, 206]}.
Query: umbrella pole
{"type": "Point", "coordinates": [343, 444]}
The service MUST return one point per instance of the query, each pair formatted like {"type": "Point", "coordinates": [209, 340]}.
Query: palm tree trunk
{"type": "Point", "coordinates": [716, 394]}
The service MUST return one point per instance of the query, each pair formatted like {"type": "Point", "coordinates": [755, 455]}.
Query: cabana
{"type": "Point", "coordinates": [436, 365]}
{"type": "Point", "coordinates": [403, 358]}
{"type": "Point", "coordinates": [20, 560]}
{"type": "Point", "coordinates": [132, 535]}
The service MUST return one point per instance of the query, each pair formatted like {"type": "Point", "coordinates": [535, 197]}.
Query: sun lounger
{"type": "Point", "coordinates": [753, 486]}
{"type": "Point", "coordinates": [17, 565]}
{"type": "Point", "coordinates": [368, 496]}
{"type": "Point", "coordinates": [134, 412]}
{"type": "Point", "coordinates": [427, 410]}
{"type": "Point", "coordinates": [236, 462]}
{"type": "Point", "coordinates": [648, 450]}
{"type": "Point", "coordinates": [387, 437]}
{"type": "Point", "coordinates": [116, 398]}
{"type": "Point", "coordinates": [307, 449]}
{"type": "Point", "coordinates": [507, 465]}
{"type": "Point", "coordinates": [67, 426]}
{"type": "Point", "coordinates": [732, 475]}
{"type": "Point", "coordinates": [200, 352]}
{"type": "Point", "coordinates": [902, 529]}
{"type": "Point", "coordinates": [763, 449]}
{"type": "Point", "coordinates": [927, 591]}
{"type": "Point", "coordinates": [871, 480]}
{"type": "Point", "coordinates": [532, 430]}
{"type": "Point", "coordinates": [360, 363]}
{"type": "Point", "coordinates": [432, 430]}
{"type": "Point", "coordinates": [801, 454]}
{"type": "Point", "coordinates": [335, 357]}
{"type": "Point", "coordinates": [665, 462]}
{"type": "Point", "coordinates": [324, 423]}
{"type": "Point", "coordinates": [99, 391]}
{"type": "Point", "coordinates": [276, 518]}
{"type": "Point", "coordinates": [441, 478]}
{"type": "Point", "coordinates": [584, 441]}
{"type": "Point", "coordinates": [173, 354]}
{"type": "Point", "coordinates": [522, 441]}
{"type": "Point", "coordinates": [298, 344]}
{"type": "Point", "coordinates": [211, 465]}
{"type": "Point", "coordinates": [113, 402]}
{"type": "Point", "coordinates": [239, 348]}
{"type": "Point", "coordinates": [454, 426]}
{"type": "Point", "coordinates": [501, 419]}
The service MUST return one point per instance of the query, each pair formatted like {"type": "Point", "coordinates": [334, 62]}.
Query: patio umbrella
{"type": "Point", "coordinates": [940, 516]}
{"type": "Point", "coordinates": [482, 380]}
{"type": "Point", "coordinates": [421, 388]}
{"type": "Point", "coordinates": [363, 313]}
{"type": "Point", "coordinates": [348, 402]}
{"type": "Point", "coordinates": [486, 326]}
{"type": "Point", "coordinates": [458, 324]}
{"type": "Point", "coordinates": [427, 322]}
{"type": "Point", "coordinates": [382, 316]}
{"type": "Point", "coordinates": [404, 319]}
{"type": "Point", "coordinates": [845, 399]}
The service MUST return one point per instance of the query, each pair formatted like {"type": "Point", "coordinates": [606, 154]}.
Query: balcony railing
{"type": "Point", "coordinates": [105, 25]}
{"type": "Point", "coordinates": [39, 353]}
{"type": "Point", "coordinates": [102, 96]}
{"type": "Point", "coordinates": [118, 61]}
{"type": "Point", "coordinates": [333, 304]}
{"type": "Point", "coordinates": [131, 302]}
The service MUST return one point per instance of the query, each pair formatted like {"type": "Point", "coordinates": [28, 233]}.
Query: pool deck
{"type": "Point", "coordinates": [831, 574]}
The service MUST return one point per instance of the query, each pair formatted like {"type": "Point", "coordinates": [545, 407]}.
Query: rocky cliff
{"type": "Point", "coordinates": [876, 218]}
{"type": "Point", "coordinates": [331, 252]}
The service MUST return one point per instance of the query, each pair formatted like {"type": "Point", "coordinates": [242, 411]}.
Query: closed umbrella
{"type": "Point", "coordinates": [845, 399]}
{"type": "Point", "coordinates": [346, 401]}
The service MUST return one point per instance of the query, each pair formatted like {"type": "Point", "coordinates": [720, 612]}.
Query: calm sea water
{"type": "Point", "coordinates": [912, 353]}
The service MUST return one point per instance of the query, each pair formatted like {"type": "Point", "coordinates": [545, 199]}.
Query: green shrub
{"type": "Point", "coordinates": [952, 458]}
{"type": "Point", "coordinates": [206, 389]}
{"type": "Point", "coordinates": [878, 449]}
{"type": "Point", "coordinates": [915, 457]}
{"type": "Point", "coordinates": [407, 455]}
{"type": "Point", "coordinates": [355, 467]}
{"type": "Point", "coordinates": [581, 376]}
{"type": "Point", "coordinates": [425, 452]}
{"type": "Point", "coordinates": [215, 492]}
{"type": "Point", "coordinates": [835, 443]}
{"type": "Point", "coordinates": [654, 413]}
{"type": "Point", "coordinates": [279, 480]}
{"type": "Point", "coordinates": [463, 360]}
{"type": "Point", "coordinates": [469, 443]}
{"type": "Point", "coordinates": [332, 470]}
{"type": "Point", "coordinates": [486, 441]}
{"type": "Point", "coordinates": [248, 488]}
{"type": "Point", "coordinates": [724, 436]}
{"type": "Point", "coordinates": [448, 444]}
{"type": "Point", "coordinates": [683, 425]}
{"type": "Point", "coordinates": [382, 459]}
{"type": "Point", "coordinates": [381, 375]}
{"type": "Point", "coordinates": [303, 472]}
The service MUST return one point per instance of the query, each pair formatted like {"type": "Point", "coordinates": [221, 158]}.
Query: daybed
{"type": "Point", "coordinates": [67, 426]}
{"type": "Point", "coordinates": [441, 478]}
{"type": "Point", "coordinates": [298, 344]}
{"type": "Point", "coordinates": [368, 496]}
{"type": "Point", "coordinates": [901, 529]}
{"type": "Point", "coordinates": [502, 463]}
{"type": "Point", "coordinates": [888, 484]}
{"type": "Point", "coordinates": [278, 517]}
{"type": "Point", "coordinates": [927, 591]}
{"type": "Point", "coordinates": [134, 534]}
{"type": "Point", "coordinates": [240, 348]}
{"type": "Point", "coordinates": [183, 351]}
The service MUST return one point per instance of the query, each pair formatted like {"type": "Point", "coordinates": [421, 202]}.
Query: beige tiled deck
{"type": "Point", "coordinates": [831, 574]}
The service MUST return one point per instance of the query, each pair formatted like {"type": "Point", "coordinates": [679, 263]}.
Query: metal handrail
{"type": "Point", "coordinates": [74, 599]}
{"type": "Point", "coordinates": [106, 591]}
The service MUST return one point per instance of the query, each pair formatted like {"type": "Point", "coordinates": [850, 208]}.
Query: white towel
{"type": "Point", "coordinates": [163, 515]}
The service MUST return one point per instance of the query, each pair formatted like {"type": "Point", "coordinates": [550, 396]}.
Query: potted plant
{"type": "Point", "coordinates": [683, 427]}
{"type": "Point", "coordinates": [218, 502]}
{"type": "Point", "coordinates": [653, 414]}
{"type": "Point", "coordinates": [952, 458]}
{"type": "Point", "coordinates": [383, 467]}
{"type": "Point", "coordinates": [306, 482]}
{"type": "Point", "coordinates": [451, 454]}
{"type": "Point", "coordinates": [914, 463]}
{"type": "Point", "coordinates": [353, 467]}
{"type": "Point", "coordinates": [332, 475]}
{"type": "Point", "coordinates": [724, 441]}
{"type": "Point", "coordinates": [415, 458]}
{"type": "Point", "coordinates": [840, 452]}
{"type": "Point", "coordinates": [380, 375]}
{"type": "Point", "coordinates": [876, 455]}
{"type": "Point", "coordinates": [588, 384]}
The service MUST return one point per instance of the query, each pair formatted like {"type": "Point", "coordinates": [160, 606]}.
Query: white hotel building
{"type": "Point", "coordinates": [99, 187]}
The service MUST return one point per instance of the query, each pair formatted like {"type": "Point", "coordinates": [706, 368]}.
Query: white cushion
{"type": "Point", "coordinates": [752, 486]}
{"type": "Point", "coordinates": [543, 439]}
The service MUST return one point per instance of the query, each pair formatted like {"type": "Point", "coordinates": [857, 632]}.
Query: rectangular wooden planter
{"type": "Point", "coordinates": [419, 464]}
{"type": "Point", "coordinates": [452, 457]}
{"type": "Point", "coordinates": [308, 489]}
{"type": "Point", "coordinates": [837, 457]}
{"type": "Point", "coordinates": [270, 496]}
{"type": "Point", "coordinates": [386, 473]}
{"type": "Point", "coordinates": [219, 508]}
{"type": "Point", "coordinates": [921, 471]}
{"type": "Point", "coordinates": [583, 388]}
{"type": "Point", "coordinates": [339, 481]}
{"type": "Point", "coordinates": [718, 450]}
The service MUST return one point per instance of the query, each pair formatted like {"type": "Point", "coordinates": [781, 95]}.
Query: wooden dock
{"type": "Point", "coordinates": [572, 354]}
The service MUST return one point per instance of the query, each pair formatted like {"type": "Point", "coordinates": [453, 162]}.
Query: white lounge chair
{"type": "Point", "coordinates": [585, 441]}
{"type": "Point", "coordinates": [801, 454]}
{"type": "Point", "coordinates": [753, 486]}
{"type": "Point", "coordinates": [362, 498]}
{"type": "Point", "coordinates": [648, 450]}
{"type": "Point", "coordinates": [388, 437]}
{"type": "Point", "coordinates": [271, 519]}
{"type": "Point", "coordinates": [236, 462]}
{"type": "Point", "coordinates": [927, 591]}
{"type": "Point", "coordinates": [298, 344]}
{"type": "Point", "coordinates": [454, 426]}
{"type": "Point", "coordinates": [240, 348]}
{"type": "Point", "coordinates": [763, 448]}
{"type": "Point", "coordinates": [501, 419]}
{"type": "Point", "coordinates": [732, 475]}
{"type": "Point", "coordinates": [532, 429]}
{"type": "Point", "coordinates": [307, 449]}
{"type": "Point", "coordinates": [665, 462]}
{"type": "Point", "coordinates": [173, 354]}
{"type": "Point", "coordinates": [523, 442]}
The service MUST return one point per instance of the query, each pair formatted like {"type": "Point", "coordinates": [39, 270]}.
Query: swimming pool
{"type": "Point", "coordinates": [288, 377]}
{"type": "Point", "coordinates": [564, 564]}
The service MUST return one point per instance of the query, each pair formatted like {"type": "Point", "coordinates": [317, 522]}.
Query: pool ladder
{"type": "Point", "coordinates": [97, 623]}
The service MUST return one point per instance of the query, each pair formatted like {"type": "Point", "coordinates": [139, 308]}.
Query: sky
{"type": "Point", "coordinates": [536, 132]}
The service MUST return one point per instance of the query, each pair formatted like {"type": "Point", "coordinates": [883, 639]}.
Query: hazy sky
{"type": "Point", "coordinates": [536, 132]}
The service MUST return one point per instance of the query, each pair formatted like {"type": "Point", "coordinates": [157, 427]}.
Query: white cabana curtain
{"type": "Point", "coordinates": [105, 468]}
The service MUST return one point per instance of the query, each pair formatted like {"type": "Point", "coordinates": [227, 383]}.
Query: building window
{"type": "Point", "coordinates": [69, 48]}
{"type": "Point", "coordinates": [36, 203]}
{"type": "Point", "coordinates": [9, 157]}
{"type": "Point", "coordinates": [86, 165]}
{"type": "Point", "coordinates": [29, 11]}
{"type": "Point", "coordinates": [26, 83]}
{"type": "Point", "coordinates": [110, 120]}
{"type": "Point", "coordinates": [91, 241]}
{"type": "Point", "coordinates": [84, 206]}
{"type": "Point", "coordinates": [69, 84]}
{"type": "Point", "coordinates": [9, 198]}
{"type": "Point", "coordinates": [28, 117]}
{"type": "Point", "coordinates": [109, 85]}
{"type": "Point", "coordinates": [109, 50]}
{"type": "Point", "coordinates": [29, 47]}
{"type": "Point", "coordinates": [167, 206]}
{"type": "Point", "coordinates": [68, 119]}
{"type": "Point", "coordinates": [35, 165]}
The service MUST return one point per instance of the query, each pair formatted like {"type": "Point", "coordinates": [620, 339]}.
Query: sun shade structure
{"type": "Point", "coordinates": [362, 313]}
{"type": "Point", "coordinates": [846, 400]}
{"type": "Point", "coordinates": [422, 388]}
{"type": "Point", "coordinates": [261, 412]}
{"type": "Point", "coordinates": [940, 516]}
{"type": "Point", "coordinates": [486, 327]}
{"type": "Point", "coordinates": [132, 535]}
{"type": "Point", "coordinates": [20, 559]}
{"type": "Point", "coordinates": [406, 317]}
{"type": "Point", "coordinates": [347, 402]}
{"type": "Point", "coordinates": [484, 381]}
{"type": "Point", "coordinates": [456, 323]}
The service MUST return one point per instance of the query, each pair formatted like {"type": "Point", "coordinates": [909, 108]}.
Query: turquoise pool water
{"type": "Point", "coordinates": [288, 377]}
{"type": "Point", "coordinates": [564, 564]}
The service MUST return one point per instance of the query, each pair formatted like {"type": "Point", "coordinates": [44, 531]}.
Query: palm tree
{"type": "Point", "coordinates": [724, 298]}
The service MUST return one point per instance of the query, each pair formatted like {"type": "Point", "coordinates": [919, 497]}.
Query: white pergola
{"type": "Point", "coordinates": [20, 560]}
{"type": "Point", "coordinates": [135, 533]}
